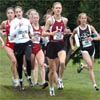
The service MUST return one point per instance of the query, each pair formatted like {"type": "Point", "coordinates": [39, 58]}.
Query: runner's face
{"type": "Point", "coordinates": [83, 19]}
{"type": "Point", "coordinates": [10, 14]}
{"type": "Point", "coordinates": [18, 13]}
{"type": "Point", "coordinates": [57, 9]}
{"type": "Point", "coordinates": [35, 18]}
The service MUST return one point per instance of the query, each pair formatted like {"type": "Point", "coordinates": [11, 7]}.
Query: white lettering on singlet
{"type": "Point", "coordinates": [59, 34]}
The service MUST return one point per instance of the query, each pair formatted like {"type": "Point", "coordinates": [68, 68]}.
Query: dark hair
{"type": "Point", "coordinates": [9, 9]}
{"type": "Point", "coordinates": [49, 11]}
{"type": "Point", "coordinates": [19, 7]}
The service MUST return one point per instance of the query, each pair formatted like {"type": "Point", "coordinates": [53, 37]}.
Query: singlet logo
{"type": "Point", "coordinates": [59, 29]}
{"type": "Point", "coordinates": [84, 38]}
{"type": "Point", "coordinates": [85, 35]}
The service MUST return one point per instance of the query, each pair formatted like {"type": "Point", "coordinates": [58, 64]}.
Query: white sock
{"type": "Point", "coordinates": [82, 65]}
{"type": "Point", "coordinates": [51, 88]}
{"type": "Point", "coordinates": [94, 85]}
{"type": "Point", "coordinates": [28, 77]}
{"type": "Point", "coordinates": [59, 79]}
{"type": "Point", "coordinates": [21, 80]}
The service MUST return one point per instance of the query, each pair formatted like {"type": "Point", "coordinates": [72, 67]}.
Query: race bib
{"type": "Point", "coordinates": [37, 37]}
{"type": "Point", "coordinates": [22, 34]}
{"type": "Point", "coordinates": [86, 43]}
{"type": "Point", "coordinates": [58, 36]}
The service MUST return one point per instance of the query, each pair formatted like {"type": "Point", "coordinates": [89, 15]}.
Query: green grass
{"type": "Point", "coordinates": [77, 86]}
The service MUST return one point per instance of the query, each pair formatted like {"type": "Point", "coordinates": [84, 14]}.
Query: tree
{"type": "Point", "coordinates": [92, 8]}
{"type": "Point", "coordinates": [71, 9]}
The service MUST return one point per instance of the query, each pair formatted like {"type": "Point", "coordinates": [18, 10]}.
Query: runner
{"type": "Point", "coordinates": [56, 46]}
{"type": "Point", "coordinates": [23, 45]}
{"type": "Point", "coordinates": [37, 49]}
{"type": "Point", "coordinates": [85, 31]}
{"type": "Point", "coordinates": [5, 27]}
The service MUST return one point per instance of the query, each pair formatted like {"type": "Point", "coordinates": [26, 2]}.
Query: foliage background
{"type": "Point", "coordinates": [71, 9]}
{"type": "Point", "coordinates": [77, 87]}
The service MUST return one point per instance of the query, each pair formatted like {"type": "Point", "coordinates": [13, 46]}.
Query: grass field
{"type": "Point", "coordinates": [77, 86]}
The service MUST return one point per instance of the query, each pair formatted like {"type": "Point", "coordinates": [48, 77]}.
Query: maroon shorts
{"type": "Point", "coordinates": [9, 44]}
{"type": "Point", "coordinates": [36, 48]}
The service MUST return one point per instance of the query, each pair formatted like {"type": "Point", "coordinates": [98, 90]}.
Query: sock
{"type": "Point", "coordinates": [51, 88]}
{"type": "Point", "coordinates": [28, 77]}
{"type": "Point", "coordinates": [95, 85]}
{"type": "Point", "coordinates": [82, 66]}
{"type": "Point", "coordinates": [21, 80]}
{"type": "Point", "coordinates": [59, 79]}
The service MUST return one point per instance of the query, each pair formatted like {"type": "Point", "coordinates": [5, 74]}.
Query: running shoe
{"type": "Point", "coordinates": [52, 93]}
{"type": "Point", "coordinates": [80, 68]}
{"type": "Point", "coordinates": [15, 82]}
{"type": "Point", "coordinates": [21, 85]}
{"type": "Point", "coordinates": [35, 84]}
{"type": "Point", "coordinates": [96, 88]}
{"type": "Point", "coordinates": [30, 82]}
{"type": "Point", "coordinates": [60, 84]}
{"type": "Point", "coordinates": [44, 85]}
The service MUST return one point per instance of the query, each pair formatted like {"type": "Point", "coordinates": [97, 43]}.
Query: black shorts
{"type": "Point", "coordinates": [23, 48]}
{"type": "Point", "coordinates": [90, 50]}
{"type": "Point", "coordinates": [53, 48]}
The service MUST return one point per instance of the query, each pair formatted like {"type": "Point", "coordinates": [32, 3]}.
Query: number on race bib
{"type": "Point", "coordinates": [37, 37]}
{"type": "Point", "coordinates": [22, 34]}
{"type": "Point", "coordinates": [58, 36]}
{"type": "Point", "coordinates": [86, 43]}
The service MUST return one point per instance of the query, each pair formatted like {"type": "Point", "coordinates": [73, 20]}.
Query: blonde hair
{"type": "Point", "coordinates": [30, 10]}
{"type": "Point", "coordinates": [35, 13]}
{"type": "Point", "coordinates": [80, 15]}
{"type": "Point", "coordinates": [55, 3]}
